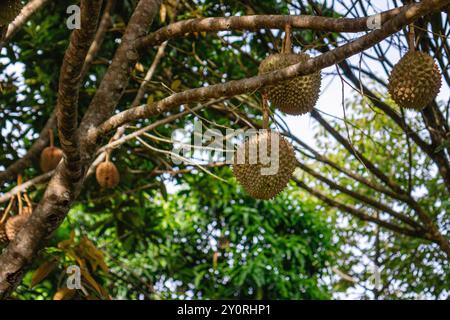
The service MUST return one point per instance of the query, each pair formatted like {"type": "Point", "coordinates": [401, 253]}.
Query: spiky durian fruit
{"type": "Point", "coordinates": [9, 10]}
{"type": "Point", "coordinates": [50, 158]}
{"type": "Point", "coordinates": [268, 172]}
{"type": "Point", "coordinates": [14, 225]}
{"type": "Point", "coordinates": [296, 96]}
{"type": "Point", "coordinates": [107, 175]}
{"type": "Point", "coordinates": [3, 237]}
{"type": "Point", "coordinates": [414, 81]}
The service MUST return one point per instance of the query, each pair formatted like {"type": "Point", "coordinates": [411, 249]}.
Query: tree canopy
{"type": "Point", "coordinates": [366, 213]}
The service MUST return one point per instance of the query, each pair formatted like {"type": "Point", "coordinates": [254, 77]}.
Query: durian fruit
{"type": "Point", "coordinates": [50, 158]}
{"type": "Point", "coordinates": [107, 174]}
{"type": "Point", "coordinates": [249, 173]}
{"type": "Point", "coordinates": [14, 225]}
{"type": "Point", "coordinates": [3, 237]}
{"type": "Point", "coordinates": [414, 81]}
{"type": "Point", "coordinates": [296, 96]}
{"type": "Point", "coordinates": [9, 10]}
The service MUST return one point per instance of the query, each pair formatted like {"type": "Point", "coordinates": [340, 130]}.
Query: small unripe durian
{"type": "Point", "coordinates": [3, 237]}
{"type": "Point", "coordinates": [50, 158]}
{"type": "Point", "coordinates": [248, 172]}
{"type": "Point", "coordinates": [9, 10]}
{"type": "Point", "coordinates": [415, 81]}
{"type": "Point", "coordinates": [295, 96]}
{"type": "Point", "coordinates": [107, 175]}
{"type": "Point", "coordinates": [14, 225]}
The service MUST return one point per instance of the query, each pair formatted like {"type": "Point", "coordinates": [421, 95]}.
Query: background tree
{"type": "Point", "coordinates": [386, 181]}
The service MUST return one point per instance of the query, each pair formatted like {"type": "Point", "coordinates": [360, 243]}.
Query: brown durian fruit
{"type": "Point", "coordinates": [107, 175]}
{"type": "Point", "coordinates": [249, 175]}
{"type": "Point", "coordinates": [9, 10]}
{"type": "Point", "coordinates": [296, 96]}
{"type": "Point", "coordinates": [3, 237]}
{"type": "Point", "coordinates": [50, 158]}
{"type": "Point", "coordinates": [14, 225]}
{"type": "Point", "coordinates": [415, 81]}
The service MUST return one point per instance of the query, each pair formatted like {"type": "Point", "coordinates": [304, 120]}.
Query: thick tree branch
{"type": "Point", "coordinates": [69, 86]}
{"type": "Point", "coordinates": [117, 76]}
{"type": "Point", "coordinates": [257, 22]}
{"type": "Point", "coordinates": [103, 26]}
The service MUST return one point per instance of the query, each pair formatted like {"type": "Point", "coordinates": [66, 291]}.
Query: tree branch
{"type": "Point", "coordinates": [232, 88]}
{"type": "Point", "coordinates": [257, 22]}
{"type": "Point", "coordinates": [117, 76]}
{"type": "Point", "coordinates": [361, 197]}
{"type": "Point", "coordinates": [69, 85]}
{"type": "Point", "coordinates": [104, 24]}
{"type": "Point", "coordinates": [359, 213]}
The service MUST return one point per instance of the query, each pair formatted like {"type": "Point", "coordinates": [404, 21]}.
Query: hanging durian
{"type": "Point", "coordinates": [3, 236]}
{"type": "Point", "coordinates": [3, 219]}
{"type": "Point", "coordinates": [107, 174]}
{"type": "Point", "coordinates": [295, 96]}
{"type": "Point", "coordinates": [415, 80]}
{"type": "Point", "coordinates": [50, 156]}
{"type": "Point", "coordinates": [15, 224]}
{"type": "Point", "coordinates": [250, 174]}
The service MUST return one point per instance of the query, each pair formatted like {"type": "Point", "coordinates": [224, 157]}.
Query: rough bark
{"type": "Point", "coordinates": [69, 86]}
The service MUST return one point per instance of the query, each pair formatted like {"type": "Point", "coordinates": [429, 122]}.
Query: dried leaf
{"type": "Point", "coordinates": [64, 294]}
{"type": "Point", "coordinates": [43, 271]}
{"type": "Point", "coordinates": [68, 242]}
{"type": "Point", "coordinates": [93, 254]}
{"type": "Point", "coordinates": [86, 275]}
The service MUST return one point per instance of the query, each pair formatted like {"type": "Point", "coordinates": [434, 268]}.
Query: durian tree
{"type": "Point", "coordinates": [113, 92]}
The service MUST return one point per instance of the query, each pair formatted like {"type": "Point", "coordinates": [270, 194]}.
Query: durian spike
{"type": "Point", "coordinates": [8, 208]}
{"type": "Point", "coordinates": [19, 196]}
{"type": "Point", "coordinates": [265, 111]}
{"type": "Point", "coordinates": [287, 43]}
{"type": "Point", "coordinates": [411, 38]}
